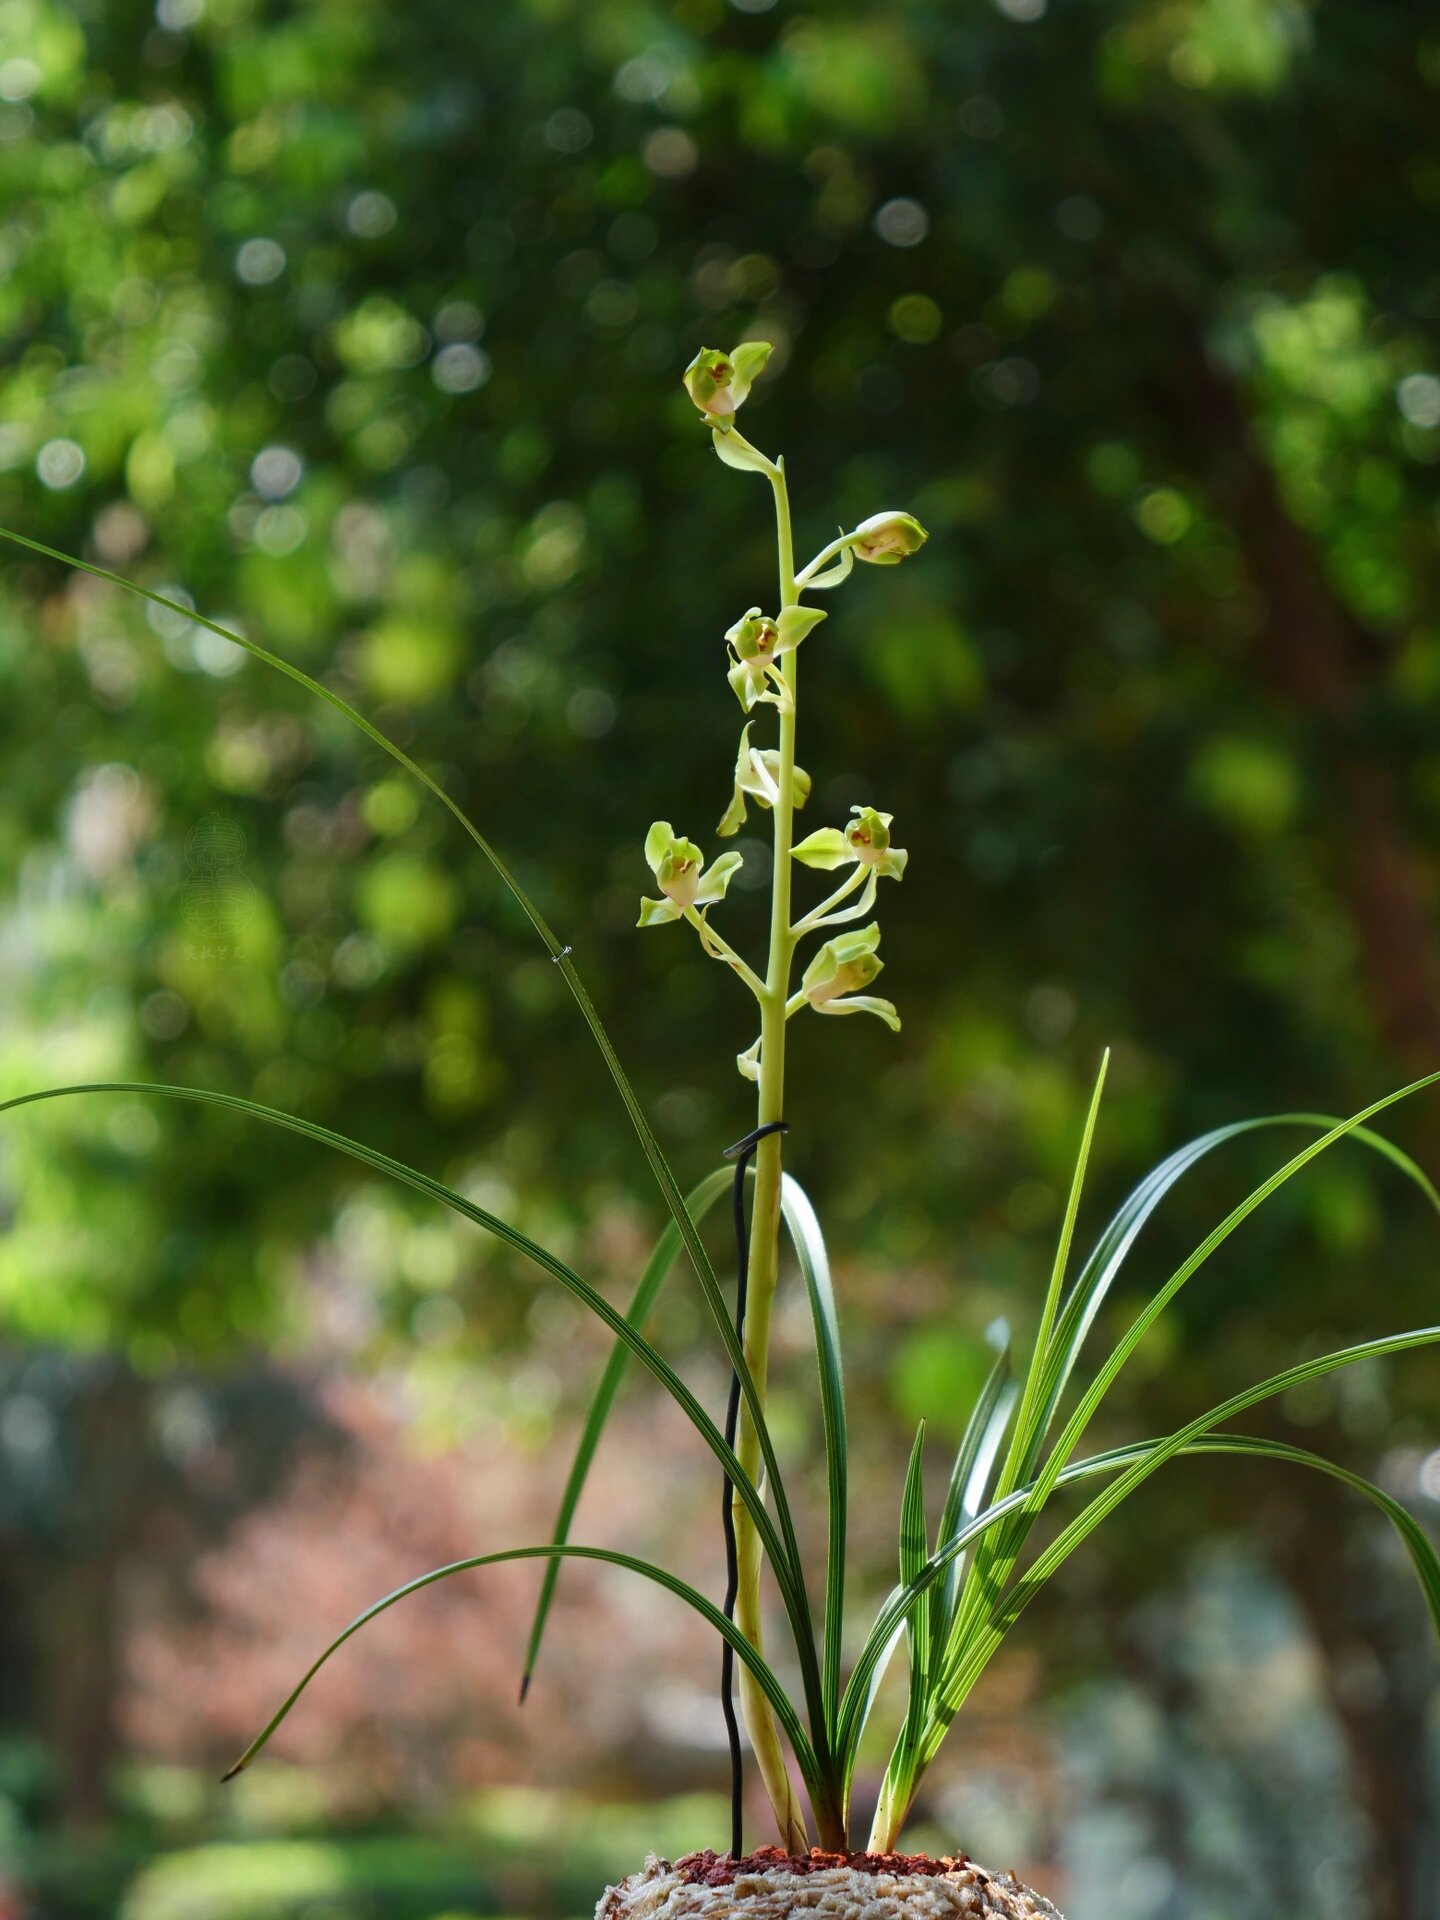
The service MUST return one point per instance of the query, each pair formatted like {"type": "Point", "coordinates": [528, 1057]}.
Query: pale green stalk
{"type": "Point", "coordinates": [852, 883]}
{"type": "Point", "coordinates": [763, 1270]}
{"type": "Point", "coordinates": [719, 948]}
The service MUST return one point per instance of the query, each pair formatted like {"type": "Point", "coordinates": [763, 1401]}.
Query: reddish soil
{"type": "Point", "coordinates": [719, 1869]}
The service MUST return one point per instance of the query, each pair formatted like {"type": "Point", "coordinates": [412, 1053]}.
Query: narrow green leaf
{"type": "Point", "coordinates": [969, 1481]}
{"type": "Point", "coordinates": [1034, 1374]}
{"type": "Point", "coordinates": [774, 1692]}
{"type": "Point", "coordinates": [914, 1543]}
{"type": "Point", "coordinates": [991, 1557]}
{"type": "Point", "coordinates": [896, 1610]}
{"type": "Point", "coordinates": [1153, 1457]}
{"type": "Point", "coordinates": [1080, 1311]}
{"type": "Point", "coordinates": [970, 1477]}
{"type": "Point", "coordinates": [1100, 1270]}
{"type": "Point", "coordinates": [792, 1592]}
{"type": "Point", "coordinates": [1417, 1543]}
{"type": "Point", "coordinates": [914, 1551]}
{"type": "Point", "coordinates": [1065, 1446]}
{"type": "Point", "coordinates": [810, 1251]}
{"type": "Point", "coordinates": [657, 1270]}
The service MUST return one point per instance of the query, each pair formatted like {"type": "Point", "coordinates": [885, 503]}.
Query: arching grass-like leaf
{"type": "Point", "coordinates": [974, 1627]}
{"type": "Point", "coordinates": [809, 1244]}
{"type": "Point", "coordinates": [1417, 1543]}
{"type": "Point", "coordinates": [1002, 1554]}
{"type": "Point", "coordinates": [785, 1713]}
{"type": "Point", "coordinates": [994, 1554]}
{"type": "Point", "coordinates": [1153, 1456]}
{"type": "Point", "coordinates": [965, 1497]}
{"type": "Point", "coordinates": [1100, 1270]}
{"type": "Point", "coordinates": [911, 1759]}
{"type": "Point", "coordinates": [788, 1575]}
{"type": "Point", "coordinates": [914, 1551]}
{"type": "Point", "coordinates": [970, 1477]}
{"type": "Point", "coordinates": [698, 1203]}
{"type": "Point", "coordinates": [1150, 1313]}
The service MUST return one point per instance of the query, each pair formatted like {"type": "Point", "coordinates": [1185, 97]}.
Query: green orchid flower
{"type": "Point", "coordinates": [719, 382]}
{"type": "Point", "coordinates": [835, 979]}
{"type": "Point", "coordinates": [866, 840]}
{"type": "Point", "coordinates": [885, 539]}
{"type": "Point", "coordinates": [682, 876]}
{"type": "Point", "coordinates": [756, 643]}
{"type": "Point", "coordinates": [757, 772]}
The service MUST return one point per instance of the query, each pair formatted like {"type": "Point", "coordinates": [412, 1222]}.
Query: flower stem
{"type": "Point", "coordinates": [719, 948]}
{"type": "Point", "coordinates": [816, 917]}
{"type": "Point", "coordinates": [765, 1220]}
{"type": "Point", "coordinates": [825, 555]}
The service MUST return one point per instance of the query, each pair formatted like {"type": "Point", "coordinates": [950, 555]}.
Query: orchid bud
{"type": "Point", "coordinates": [679, 870]}
{"type": "Point", "coordinates": [719, 382]}
{"type": "Point", "coordinates": [835, 979]}
{"type": "Point", "coordinates": [866, 840]}
{"type": "Point", "coordinates": [885, 539]}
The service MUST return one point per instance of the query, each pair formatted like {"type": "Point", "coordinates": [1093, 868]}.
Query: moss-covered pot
{"type": "Point", "coordinates": [771, 1885]}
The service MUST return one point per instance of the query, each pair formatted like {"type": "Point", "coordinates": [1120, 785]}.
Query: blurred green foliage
{"type": "Point", "coordinates": [364, 330]}
{"type": "Point", "coordinates": [509, 1849]}
{"type": "Point", "coordinates": [361, 326]}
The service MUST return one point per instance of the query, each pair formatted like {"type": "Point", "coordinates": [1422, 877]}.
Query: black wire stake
{"type": "Point", "coordinates": [742, 1153]}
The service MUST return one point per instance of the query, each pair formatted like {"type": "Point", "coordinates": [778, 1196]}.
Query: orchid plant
{"type": "Point", "coordinates": [963, 1581]}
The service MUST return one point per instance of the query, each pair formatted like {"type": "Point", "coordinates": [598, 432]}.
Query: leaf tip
{"type": "Point", "coordinates": [524, 1687]}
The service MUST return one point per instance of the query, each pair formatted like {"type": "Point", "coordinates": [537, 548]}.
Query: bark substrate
{"type": "Point", "coordinates": [721, 1869]}
{"type": "Point", "coordinates": [770, 1884]}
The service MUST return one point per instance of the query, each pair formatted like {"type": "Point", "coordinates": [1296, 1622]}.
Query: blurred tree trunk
{"type": "Point", "coordinates": [119, 1489]}
{"type": "Point", "coordinates": [70, 1632]}
{"type": "Point", "coordinates": [61, 1649]}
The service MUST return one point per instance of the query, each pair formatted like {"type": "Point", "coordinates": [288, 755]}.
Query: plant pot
{"type": "Point", "coordinates": [771, 1885]}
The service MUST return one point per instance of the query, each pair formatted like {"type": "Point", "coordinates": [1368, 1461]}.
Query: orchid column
{"type": "Point", "coordinates": [763, 656]}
